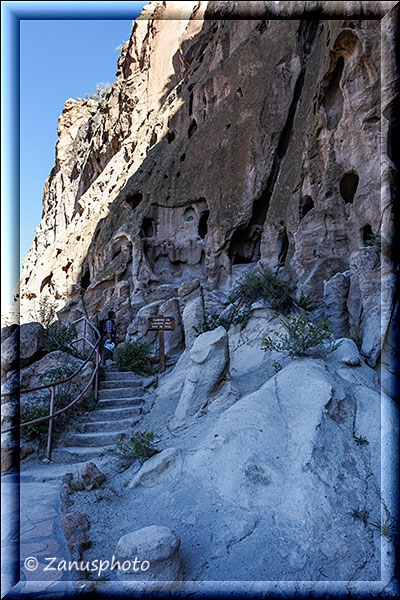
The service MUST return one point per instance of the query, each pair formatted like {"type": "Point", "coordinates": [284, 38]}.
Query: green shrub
{"type": "Point", "coordinates": [382, 244]}
{"type": "Point", "coordinates": [356, 334]}
{"type": "Point", "coordinates": [276, 291]}
{"type": "Point", "coordinates": [302, 338]}
{"type": "Point", "coordinates": [46, 314]}
{"type": "Point", "coordinates": [133, 356]}
{"type": "Point", "coordinates": [143, 445]}
{"type": "Point", "coordinates": [236, 315]}
{"type": "Point", "coordinates": [263, 285]}
{"type": "Point", "coordinates": [102, 91]}
{"type": "Point", "coordinates": [36, 430]}
{"type": "Point", "coordinates": [139, 446]}
{"type": "Point", "coordinates": [64, 391]}
{"type": "Point", "coordinates": [387, 527]}
{"type": "Point", "coordinates": [59, 337]}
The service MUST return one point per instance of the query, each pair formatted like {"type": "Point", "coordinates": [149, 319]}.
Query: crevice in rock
{"type": "Point", "coordinates": [367, 234]}
{"type": "Point", "coordinates": [333, 98]}
{"type": "Point", "coordinates": [282, 247]}
{"type": "Point", "coordinates": [306, 205]}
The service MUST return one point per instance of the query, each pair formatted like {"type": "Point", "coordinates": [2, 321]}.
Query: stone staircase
{"type": "Point", "coordinates": [118, 409]}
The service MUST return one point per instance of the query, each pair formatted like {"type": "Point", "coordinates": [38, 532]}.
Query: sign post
{"type": "Point", "coordinates": [161, 324]}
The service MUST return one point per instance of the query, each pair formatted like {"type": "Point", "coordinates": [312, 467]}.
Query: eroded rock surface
{"type": "Point", "coordinates": [194, 167]}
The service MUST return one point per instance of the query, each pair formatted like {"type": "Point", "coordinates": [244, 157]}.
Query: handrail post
{"type": "Point", "coordinates": [96, 381]}
{"type": "Point", "coordinates": [53, 393]}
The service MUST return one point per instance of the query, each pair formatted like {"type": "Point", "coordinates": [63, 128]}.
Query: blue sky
{"type": "Point", "coordinates": [59, 60]}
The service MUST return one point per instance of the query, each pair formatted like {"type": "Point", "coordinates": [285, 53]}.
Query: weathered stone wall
{"type": "Point", "coordinates": [224, 143]}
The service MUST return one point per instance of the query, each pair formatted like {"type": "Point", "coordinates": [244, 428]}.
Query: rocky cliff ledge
{"type": "Point", "coordinates": [230, 137]}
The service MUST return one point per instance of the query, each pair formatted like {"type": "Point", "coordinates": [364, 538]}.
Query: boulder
{"type": "Point", "coordinates": [7, 331]}
{"type": "Point", "coordinates": [75, 526]}
{"type": "Point", "coordinates": [172, 339]}
{"type": "Point", "coordinates": [66, 492]}
{"type": "Point", "coordinates": [9, 352]}
{"type": "Point", "coordinates": [209, 364]}
{"type": "Point", "coordinates": [32, 338]}
{"type": "Point", "coordinates": [157, 550]}
{"type": "Point", "coordinates": [347, 352]}
{"type": "Point", "coordinates": [335, 299]}
{"type": "Point", "coordinates": [193, 315]}
{"type": "Point", "coordinates": [92, 476]}
{"type": "Point", "coordinates": [154, 470]}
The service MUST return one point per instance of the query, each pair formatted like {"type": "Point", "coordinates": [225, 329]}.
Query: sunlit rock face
{"type": "Point", "coordinates": [224, 143]}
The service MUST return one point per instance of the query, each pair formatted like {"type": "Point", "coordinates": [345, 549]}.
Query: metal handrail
{"type": "Point", "coordinates": [53, 384]}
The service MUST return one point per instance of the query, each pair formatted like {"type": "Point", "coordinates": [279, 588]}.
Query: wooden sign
{"type": "Point", "coordinates": [161, 324]}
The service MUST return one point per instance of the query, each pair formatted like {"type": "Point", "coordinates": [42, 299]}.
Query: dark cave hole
{"type": "Point", "coordinates": [46, 281]}
{"type": "Point", "coordinates": [178, 174]}
{"type": "Point", "coordinates": [85, 280]}
{"type": "Point", "coordinates": [191, 103]}
{"type": "Point", "coordinates": [134, 199]}
{"type": "Point", "coordinates": [244, 246]}
{"type": "Point", "coordinates": [282, 247]}
{"type": "Point", "coordinates": [115, 252]}
{"type": "Point", "coordinates": [203, 224]}
{"type": "Point", "coordinates": [192, 128]}
{"type": "Point", "coordinates": [348, 187]}
{"type": "Point", "coordinates": [183, 157]}
{"type": "Point", "coordinates": [170, 136]}
{"type": "Point", "coordinates": [239, 93]}
{"type": "Point", "coordinates": [367, 233]}
{"type": "Point", "coordinates": [307, 204]}
{"type": "Point", "coordinates": [148, 227]}
{"type": "Point", "coordinates": [153, 139]}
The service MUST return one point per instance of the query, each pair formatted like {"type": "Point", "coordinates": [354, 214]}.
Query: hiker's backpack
{"type": "Point", "coordinates": [102, 326]}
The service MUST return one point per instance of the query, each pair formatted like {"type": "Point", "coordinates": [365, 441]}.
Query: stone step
{"type": "Point", "coordinates": [120, 392]}
{"type": "Point", "coordinates": [117, 383]}
{"type": "Point", "coordinates": [68, 454]}
{"type": "Point", "coordinates": [119, 402]}
{"type": "Point", "coordinates": [113, 414]}
{"type": "Point", "coordinates": [99, 438]}
{"type": "Point", "coordinates": [97, 426]}
{"type": "Point", "coordinates": [121, 376]}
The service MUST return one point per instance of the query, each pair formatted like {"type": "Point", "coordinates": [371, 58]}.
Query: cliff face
{"type": "Point", "coordinates": [224, 143]}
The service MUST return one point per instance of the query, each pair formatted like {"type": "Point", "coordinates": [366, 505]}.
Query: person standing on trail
{"type": "Point", "coordinates": [110, 331]}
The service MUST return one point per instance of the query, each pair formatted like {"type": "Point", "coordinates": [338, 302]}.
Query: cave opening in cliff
{"type": "Point", "coordinates": [134, 199]}
{"type": "Point", "coordinates": [333, 99]}
{"type": "Point", "coordinates": [367, 234]}
{"type": "Point", "coordinates": [244, 247]}
{"type": "Point", "coordinates": [46, 281]}
{"type": "Point", "coordinates": [85, 279]}
{"type": "Point", "coordinates": [148, 227]}
{"type": "Point", "coordinates": [348, 187]}
{"type": "Point", "coordinates": [192, 128]}
{"type": "Point", "coordinates": [306, 205]}
{"type": "Point", "coordinates": [282, 248]}
{"type": "Point", "coordinates": [203, 224]}
{"type": "Point", "coordinates": [170, 136]}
